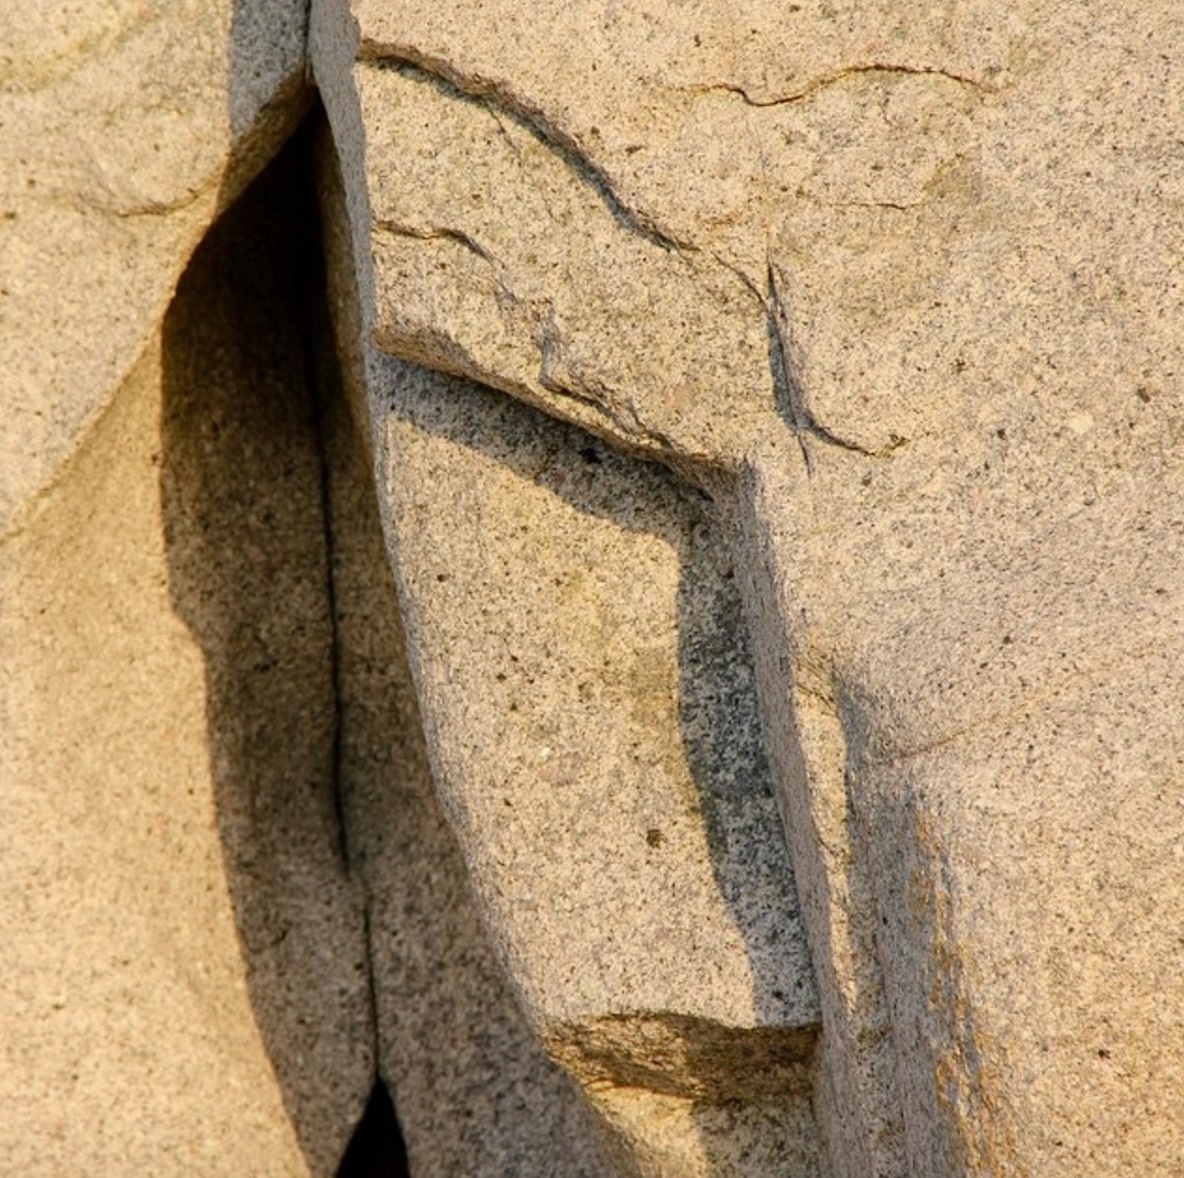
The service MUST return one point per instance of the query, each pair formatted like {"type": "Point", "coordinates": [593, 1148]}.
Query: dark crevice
{"type": "Point", "coordinates": [250, 392]}
{"type": "Point", "coordinates": [376, 1149]}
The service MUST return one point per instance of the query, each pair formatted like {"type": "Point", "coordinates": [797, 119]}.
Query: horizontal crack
{"type": "Point", "coordinates": [896, 206]}
{"type": "Point", "coordinates": [816, 84]}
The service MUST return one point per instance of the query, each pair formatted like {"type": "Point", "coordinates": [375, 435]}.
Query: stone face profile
{"type": "Point", "coordinates": [614, 573]}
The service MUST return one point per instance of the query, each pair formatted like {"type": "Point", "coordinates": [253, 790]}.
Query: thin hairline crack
{"type": "Point", "coordinates": [825, 81]}
{"type": "Point", "coordinates": [801, 420]}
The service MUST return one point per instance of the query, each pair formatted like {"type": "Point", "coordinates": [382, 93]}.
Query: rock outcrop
{"type": "Point", "coordinates": [631, 592]}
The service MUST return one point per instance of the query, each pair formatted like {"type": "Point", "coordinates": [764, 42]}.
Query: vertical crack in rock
{"type": "Point", "coordinates": [316, 358]}
{"type": "Point", "coordinates": [790, 395]}
{"type": "Point", "coordinates": [376, 1148]}
{"type": "Point", "coordinates": [249, 552]}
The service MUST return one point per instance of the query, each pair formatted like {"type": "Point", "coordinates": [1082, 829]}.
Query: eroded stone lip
{"type": "Point", "coordinates": [680, 1056]}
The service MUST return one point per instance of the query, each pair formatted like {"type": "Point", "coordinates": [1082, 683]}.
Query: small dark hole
{"type": "Point", "coordinates": [376, 1149]}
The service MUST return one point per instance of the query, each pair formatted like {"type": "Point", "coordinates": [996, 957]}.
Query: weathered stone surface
{"type": "Point", "coordinates": [124, 128]}
{"type": "Point", "coordinates": [657, 1135]}
{"type": "Point", "coordinates": [945, 601]}
{"type": "Point", "coordinates": [185, 986]}
{"type": "Point", "coordinates": [512, 260]}
{"type": "Point", "coordinates": [610, 793]}
{"type": "Point", "coordinates": [1000, 808]}
{"type": "Point", "coordinates": [590, 710]}
{"type": "Point", "coordinates": [895, 285]}
{"type": "Point", "coordinates": [618, 652]}
{"type": "Point", "coordinates": [475, 1094]}
{"type": "Point", "coordinates": [962, 266]}
{"type": "Point", "coordinates": [566, 302]}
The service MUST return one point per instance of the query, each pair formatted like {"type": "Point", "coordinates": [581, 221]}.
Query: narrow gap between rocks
{"type": "Point", "coordinates": [249, 380]}
{"type": "Point", "coordinates": [376, 1149]}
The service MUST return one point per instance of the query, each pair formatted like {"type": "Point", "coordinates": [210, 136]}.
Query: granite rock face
{"type": "Point", "coordinates": [186, 981]}
{"type": "Point", "coordinates": [612, 800]}
{"type": "Point", "coordinates": [124, 128]}
{"type": "Point", "coordinates": [472, 1087]}
{"type": "Point", "coordinates": [941, 246]}
{"type": "Point", "coordinates": [665, 653]}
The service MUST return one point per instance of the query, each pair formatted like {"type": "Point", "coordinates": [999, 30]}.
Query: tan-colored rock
{"type": "Point", "coordinates": [590, 712]}
{"type": "Point", "coordinates": [185, 986]}
{"type": "Point", "coordinates": [1005, 802]}
{"type": "Point", "coordinates": [474, 1092]}
{"type": "Point", "coordinates": [611, 795]}
{"type": "Point", "coordinates": [890, 290]}
{"type": "Point", "coordinates": [124, 128]}
{"type": "Point", "coordinates": [958, 230]}
{"type": "Point", "coordinates": [946, 602]}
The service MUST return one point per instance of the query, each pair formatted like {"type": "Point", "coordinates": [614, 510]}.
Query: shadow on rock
{"type": "Point", "coordinates": [242, 480]}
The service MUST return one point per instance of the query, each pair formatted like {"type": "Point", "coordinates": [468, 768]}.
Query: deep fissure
{"type": "Point", "coordinates": [376, 1148]}
{"type": "Point", "coordinates": [251, 405]}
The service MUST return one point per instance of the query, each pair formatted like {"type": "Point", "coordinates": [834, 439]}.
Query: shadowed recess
{"type": "Point", "coordinates": [376, 1148]}
{"type": "Point", "coordinates": [243, 485]}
